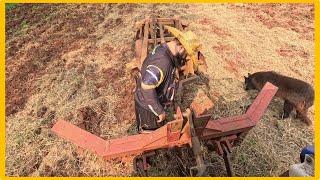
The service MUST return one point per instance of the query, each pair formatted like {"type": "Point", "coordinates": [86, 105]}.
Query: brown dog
{"type": "Point", "coordinates": [296, 93]}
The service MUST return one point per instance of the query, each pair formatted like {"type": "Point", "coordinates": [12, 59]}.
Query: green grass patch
{"type": "Point", "coordinates": [24, 24]}
{"type": "Point", "coordinates": [10, 6]}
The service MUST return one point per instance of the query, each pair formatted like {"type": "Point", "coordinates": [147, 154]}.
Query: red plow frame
{"type": "Point", "coordinates": [186, 129]}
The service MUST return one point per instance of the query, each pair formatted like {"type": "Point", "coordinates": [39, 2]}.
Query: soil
{"type": "Point", "coordinates": [68, 61]}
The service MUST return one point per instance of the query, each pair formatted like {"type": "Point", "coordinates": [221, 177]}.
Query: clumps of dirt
{"type": "Point", "coordinates": [122, 9]}
{"type": "Point", "coordinates": [161, 9]}
{"type": "Point", "coordinates": [42, 111]}
{"type": "Point", "coordinates": [19, 85]}
{"type": "Point", "coordinates": [89, 120]}
{"type": "Point", "coordinates": [124, 110]}
{"type": "Point", "coordinates": [292, 51]}
{"type": "Point", "coordinates": [295, 17]}
{"type": "Point", "coordinates": [205, 21]}
{"type": "Point", "coordinates": [45, 115]}
{"type": "Point", "coordinates": [112, 23]}
{"type": "Point", "coordinates": [109, 76]}
{"type": "Point", "coordinates": [49, 119]}
{"type": "Point", "coordinates": [213, 27]}
{"type": "Point", "coordinates": [30, 53]}
{"type": "Point", "coordinates": [234, 59]}
{"type": "Point", "coordinates": [17, 104]}
{"type": "Point", "coordinates": [20, 17]}
{"type": "Point", "coordinates": [220, 48]}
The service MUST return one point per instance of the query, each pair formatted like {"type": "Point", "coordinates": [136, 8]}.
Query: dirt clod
{"type": "Point", "coordinates": [89, 120]}
{"type": "Point", "coordinates": [42, 111]}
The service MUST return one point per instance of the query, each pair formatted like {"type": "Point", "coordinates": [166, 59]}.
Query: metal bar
{"type": "Point", "coordinates": [144, 49]}
{"type": "Point", "coordinates": [166, 39]}
{"type": "Point", "coordinates": [140, 32]}
{"type": "Point", "coordinates": [177, 24]}
{"type": "Point", "coordinates": [82, 138]}
{"type": "Point", "coordinates": [153, 31]}
{"type": "Point", "coordinates": [180, 25]}
{"type": "Point", "coordinates": [260, 104]}
{"type": "Point", "coordinates": [223, 148]}
{"type": "Point", "coordinates": [227, 161]}
{"type": "Point", "coordinates": [201, 167]}
{"type": "Point", "coordinates": [223, 140]}
{"type": "Point", "coordinates": [210, 134]}
{"type": "Point", "coordinates": [162, 40]}
{"type": "Point", "coordinates": [165, 21]}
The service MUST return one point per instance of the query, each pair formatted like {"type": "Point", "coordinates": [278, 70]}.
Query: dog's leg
{"type": "Point", "coordinates": [287, 108]}
{"type": "Point", "coordinates": [302, 113]}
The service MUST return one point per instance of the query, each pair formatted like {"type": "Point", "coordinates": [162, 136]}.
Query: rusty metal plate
{"type": "Point", "coordinates": [80, 137]}
{"type": "Point", "coordinates": [241, 123]}
{"type": "Point", "coordinates": [260, 104]}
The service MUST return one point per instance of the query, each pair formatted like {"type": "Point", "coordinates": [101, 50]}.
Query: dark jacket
{"type": "Point", "coordinates": [157, 75]}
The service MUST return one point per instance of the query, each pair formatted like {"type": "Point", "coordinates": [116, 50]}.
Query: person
{"type": "Point", "coordinates": [156, 84]}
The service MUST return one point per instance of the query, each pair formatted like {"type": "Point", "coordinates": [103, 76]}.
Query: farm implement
{"type": "Point", "coordinates": [188, 128]}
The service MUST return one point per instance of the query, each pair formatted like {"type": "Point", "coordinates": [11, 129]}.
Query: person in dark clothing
{"type": "Point", "coordinates": [156, 83]}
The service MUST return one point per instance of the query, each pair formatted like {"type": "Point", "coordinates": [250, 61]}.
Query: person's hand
{"type": "Point", "coordinates": [161, 117]}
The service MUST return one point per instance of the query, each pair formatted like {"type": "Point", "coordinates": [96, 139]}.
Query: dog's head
{"type": "Point", "coordinates": [248, 85]}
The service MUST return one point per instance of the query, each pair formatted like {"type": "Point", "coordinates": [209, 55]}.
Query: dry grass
{"type": "Point", "coordinates": [58, 67]}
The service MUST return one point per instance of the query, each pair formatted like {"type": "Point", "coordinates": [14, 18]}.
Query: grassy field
{"type": "Point", "coordinates": [68, 61]}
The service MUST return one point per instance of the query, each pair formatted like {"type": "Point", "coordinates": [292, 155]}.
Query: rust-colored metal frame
{"type": "Point", "coordinates": [151, 31]}
{"type": "Point", "coordinates": [173, 134]}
